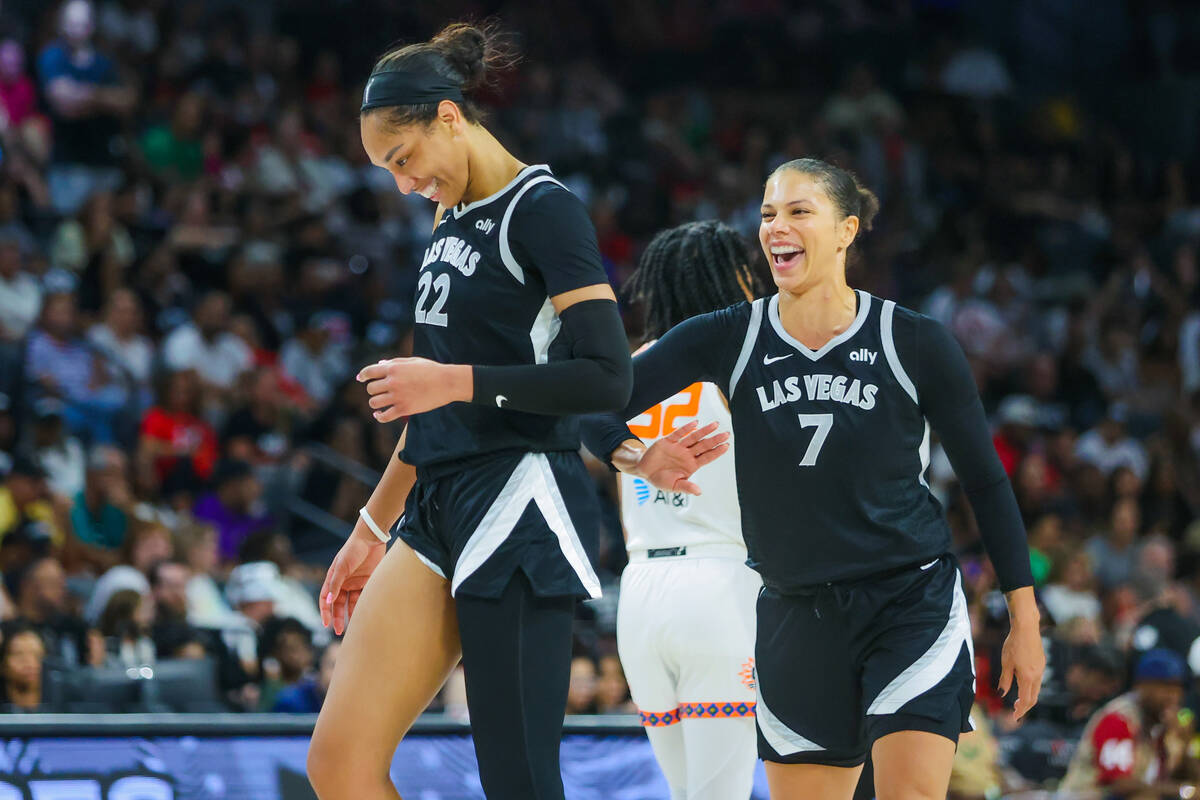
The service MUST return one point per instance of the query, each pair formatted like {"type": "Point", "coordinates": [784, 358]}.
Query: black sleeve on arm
{"type": "Point", "coordinates": [950, 400]}
{"type": "Point", "coordinates": [597, 377]}
{"type": "Point", "coordinates": [696, 349]}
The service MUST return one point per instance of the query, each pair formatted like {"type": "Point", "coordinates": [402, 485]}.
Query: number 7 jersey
{"type": "Point", "coordinates": [832, 448]}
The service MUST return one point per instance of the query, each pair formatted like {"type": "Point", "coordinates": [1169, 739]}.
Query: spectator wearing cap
{"type": "Point", "coordinates": [251, 590]}
{"type": "Point", "coordinates": [86, 103]}
{"type": "Point", "coordinates": [145, 544]}
{"type": "Point", "coordinates": [308, 696]}
{"type": "Point", "coordinates": [174, 440]}
{"type": "Point", "coordinates": [1135, 746]}
{"type": "Point", "coordinates": [1107, 446]}
{"type": "Point", "coordinates": [294, 599]}
{"type": "Point", "coordinates": [207, 346]}
{"type": "Point", "coordinates": [100, 511]}
{"type": "Point", "coordinates": [60, 454]}
{"type": "Point", "coordinates": [1016, 424]}
{"type": "Point", "coordinates": [20, 293]}
{"type": "Point", "coordinates": [234, 506]}
{"type": "Point", "coordinates": [24, 499]}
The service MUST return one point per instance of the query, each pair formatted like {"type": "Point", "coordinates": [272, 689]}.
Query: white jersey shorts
{"type": "Point", "coordinates": [685, 633]}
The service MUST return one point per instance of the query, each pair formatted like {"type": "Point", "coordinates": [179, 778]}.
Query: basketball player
{"type": "Point", "coordinates": [685, 617]}
{"type": "Point", "coordinates": [863, 638]}
{"type": "Point", "coordinates": [516, 328]}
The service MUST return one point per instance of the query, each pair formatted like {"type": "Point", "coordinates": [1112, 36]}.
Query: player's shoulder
{"type": "Point", "coordinates": [736, 316]}
{"type": "Point", "coordinates": [540, 191]}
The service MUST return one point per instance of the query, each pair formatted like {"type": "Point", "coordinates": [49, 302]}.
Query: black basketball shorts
{"type": "Point", "coordinates": [535, 512]}
{"type": "Point", "coordinates": [844, 664]}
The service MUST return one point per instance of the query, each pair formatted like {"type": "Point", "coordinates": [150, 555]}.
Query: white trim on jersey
{"type": "Point", "coordinates": [889, 351]}
{"type": "Point", "coordinates": [748, 345]}
{"type": "Point", "coordinates": [505, 251]}
{"type": "Point", "coordinates": [463, 208]}
{"type": "Point", "coordinates": [923, 451]}
{"type": "Point", "coordinates": [864, 307]}
{"type": "Point", "coordinates": [935, 664]}
{"type": "Point", "coordinates": [783, 740]}
{"type": "Point", "coordinates": [545, 328]}
{"type": "Point", "coordinates": [436, 569]}
{"type": "Point", "coordinates": [532, 480]}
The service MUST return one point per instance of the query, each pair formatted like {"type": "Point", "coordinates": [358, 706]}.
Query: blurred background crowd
{"type": "Point", "coordinates": [196, 257]}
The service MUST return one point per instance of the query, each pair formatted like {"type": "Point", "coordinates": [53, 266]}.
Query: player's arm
{"type": "Point", "coordinates": [694, 350]}
{"type": "Point", "coordinates": [363, 550]}
{"type": "Point", "coordinates": [949, 398]}
{"type": "Point", "coordinates": [552, 235]}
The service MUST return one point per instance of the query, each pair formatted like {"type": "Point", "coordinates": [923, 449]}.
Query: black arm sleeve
{"type": "Point", "coordinates": [697, 349]}
{"type": "Point", "coordinates": [950, 400]}
{"type": "Point", "coordinates": [597, 377]}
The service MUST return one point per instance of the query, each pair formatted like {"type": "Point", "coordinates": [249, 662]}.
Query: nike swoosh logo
{"type": "Point", "coordinates": [500, 400]}
{"type": "Point", "coordinates": [930, 564]}
{"type": "Point", "coordinates": [770, 360]}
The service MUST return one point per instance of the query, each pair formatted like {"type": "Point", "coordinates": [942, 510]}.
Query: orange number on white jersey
{"type": "Point", "coordinates": [665, 417]}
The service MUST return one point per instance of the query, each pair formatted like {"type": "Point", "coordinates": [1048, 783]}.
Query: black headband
{"type": "Point", "coordinates": [403, 88]}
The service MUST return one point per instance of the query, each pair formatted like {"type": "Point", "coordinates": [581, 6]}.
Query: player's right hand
{"type": "Point", "coordinates": [347, 576]}
{"type": "Point", "coordinates": [669, 462]}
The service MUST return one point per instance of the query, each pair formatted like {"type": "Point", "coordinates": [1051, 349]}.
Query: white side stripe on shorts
{"type": "Point", "coordinates": [436, 569]}
{"type": "Point", "coordinates": [531, 480]}
{"type": "Point", "coordinates": [935, 664]}
{"type": "Point", "coordinates": [783, 740]}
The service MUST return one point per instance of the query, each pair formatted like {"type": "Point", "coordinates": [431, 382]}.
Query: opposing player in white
{"type": "Point", "coordinates": [685, 618]}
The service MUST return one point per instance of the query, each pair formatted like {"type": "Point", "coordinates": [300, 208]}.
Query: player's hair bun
{"type": "Point", "coordinates": [465, 49]}
{"type": "Point", "coordinates": [868, 205]}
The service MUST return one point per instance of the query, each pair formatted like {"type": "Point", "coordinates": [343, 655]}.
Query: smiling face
{"type": "Point", "coordinates": [803, 234]}
{"type": "Point", "coordinates": [430, 160]}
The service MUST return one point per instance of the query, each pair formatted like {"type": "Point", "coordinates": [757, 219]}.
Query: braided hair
{"type": "Point", "coordinates": [692, 269]}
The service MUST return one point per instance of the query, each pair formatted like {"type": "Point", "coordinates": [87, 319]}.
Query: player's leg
{"type": "Point", "coordinates": [714, 644]}
{"type": "Point", "coordinates": [802, 781]}
{"type": "Point", "coordinates": [517, 657]}
{"type": "Point", "coordinates": [721, 755]}
{"type": "Point", "coordinates": [641, 620]}
{"type": "Point", "coordinates": [399, 647]}
{"type": "Point", "coordinates": [912, 765]}
{"type": "Point", "coordinates": [918, 681]}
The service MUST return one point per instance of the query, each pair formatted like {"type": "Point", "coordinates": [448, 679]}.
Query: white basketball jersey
{"type": "Point", "coordinates": [656, 519]}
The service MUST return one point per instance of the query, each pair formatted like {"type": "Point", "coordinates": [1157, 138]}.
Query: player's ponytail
{"type": "Point", "coordinates": [408, 81]}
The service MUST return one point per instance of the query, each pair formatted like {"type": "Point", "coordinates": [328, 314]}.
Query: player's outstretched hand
{"type": "Point", "coordinates": [401, 387]}
{"type": "Point", "coordinates": [669, 462]}
{"type": "Point", "coordinates": [347, 576]}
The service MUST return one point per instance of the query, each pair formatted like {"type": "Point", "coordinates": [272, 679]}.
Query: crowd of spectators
{"type": "Point", "coordinates": [196, 256]}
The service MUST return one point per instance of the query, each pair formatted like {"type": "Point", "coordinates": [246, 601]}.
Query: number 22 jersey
{"type": "Point", "coordinates": [483, 298]}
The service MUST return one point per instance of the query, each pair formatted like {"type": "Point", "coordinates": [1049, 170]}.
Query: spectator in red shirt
{"type": "Point", "coordinates": [17, 96]}
{"type": "Point", "coordinates": [173, 436]}
{"type": "Point", "coordinates": [1135, 746]}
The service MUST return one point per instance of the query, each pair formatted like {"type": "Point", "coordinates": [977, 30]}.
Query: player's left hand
{"type": "Point", "coordinates": [669, 462]}
{"type": "Point", "coordinates": [1023, 658]}
{"type": "Point", "coordinates": [401, 387]}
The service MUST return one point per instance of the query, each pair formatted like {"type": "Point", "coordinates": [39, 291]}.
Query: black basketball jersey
{"type": "Point", "coordinates": [483, 298]}
{"type": "Point", "coordinates": [833, 444]}
{"type": "Point", "coordinates": [832, 451]}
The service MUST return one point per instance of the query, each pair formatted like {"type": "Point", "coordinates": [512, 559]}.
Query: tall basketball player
{"type": "Point", "coordinates": [516, 328]}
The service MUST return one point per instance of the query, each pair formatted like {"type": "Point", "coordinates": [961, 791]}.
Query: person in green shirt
{"type": "Point", "coordinates": [100, 512]}
{"type": "Point", "coordinates": [176, 150]}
